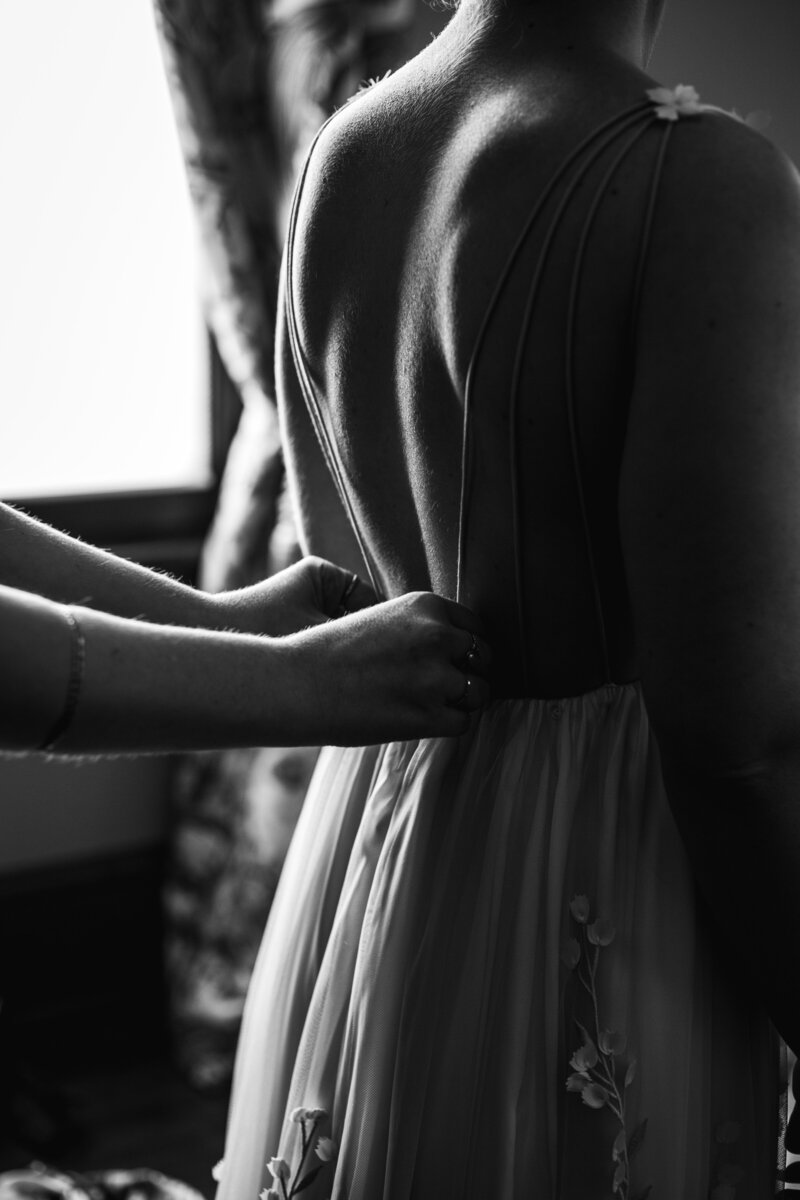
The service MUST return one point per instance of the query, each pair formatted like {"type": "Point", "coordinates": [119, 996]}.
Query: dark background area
{"type": "Point", "coordinates": [87, 1078]}
{"type": "Point", "coordinates": [741, 54]}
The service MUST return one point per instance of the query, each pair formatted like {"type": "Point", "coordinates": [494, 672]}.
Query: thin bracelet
{"type": "Point", "coordinates": [77, 659]}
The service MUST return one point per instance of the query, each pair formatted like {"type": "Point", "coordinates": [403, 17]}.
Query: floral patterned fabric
{"type": "Point", "coordinates": [39, 1182]}
{"type": "Point", "coordinates": [250, 82]}
{"type": "Point", "coordinates": [234, 818]}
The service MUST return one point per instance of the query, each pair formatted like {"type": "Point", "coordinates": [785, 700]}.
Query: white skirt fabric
{"type": "Point", "coordinates": [487, 964]}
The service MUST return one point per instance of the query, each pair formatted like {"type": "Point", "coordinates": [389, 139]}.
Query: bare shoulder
{"type": "Point", "coordinates": [710, 486]}
{"type": "Point", "coordinates": [339, 183]}
{"type": "Point", "coordinates": [728, 198]}
{"type": "Point", "coordinates": [353, 138]}
{"type": "Point", "coordinates": [720, 307]}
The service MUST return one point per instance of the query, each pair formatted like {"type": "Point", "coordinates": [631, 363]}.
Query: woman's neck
{"type": "Point", "coordinates": [558, 29]}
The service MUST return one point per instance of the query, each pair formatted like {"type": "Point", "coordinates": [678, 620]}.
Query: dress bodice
{"type": "Point", "coordinates": [595, 163]}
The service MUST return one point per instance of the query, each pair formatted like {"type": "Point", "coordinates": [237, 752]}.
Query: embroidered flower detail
{"type": "Point", "coordinates": [299, 1115]}
{"type": "Point", "coordinates": [611, 1042]}
{"type": "Point", "coordinates": [579, 907]}
{"type": "Point", "coordinates": [672, 103]}
{"type": "Point", "coordinates": [279, 1169]}
{"type": "Point", "coordinates": [585, 1057]}
{"type": "Point", "coordinates": [218, 1170]}
{"type": "Point", "coordinates": [576, 1082]}
{"type": "Point", "coordinates": [598, 1064]}
{"type": "Point", "coordinates": [326, 1149]}
{"type": "Point", "coordinates": [571, 953]}
{"type": "Point", "coordinates": [595, 1096]}
{"type": "Point", "coordinates": [601, 933]}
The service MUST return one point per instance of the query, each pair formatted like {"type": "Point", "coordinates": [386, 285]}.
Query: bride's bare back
{"type": "Point", "coordinates": [413, 201]}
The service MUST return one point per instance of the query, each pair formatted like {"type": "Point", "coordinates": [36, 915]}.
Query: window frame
{"type": "Point", "coordinates": [162, 528]}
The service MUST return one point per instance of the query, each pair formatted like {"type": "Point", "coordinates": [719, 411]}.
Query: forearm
{"type": "Point", "coordinates": [36, 558]}
{"type": "Point", "coordinates": [742, 832]}
{"type": "Point", "coordinates": [154, 689]}
{"type": "Point", "coordinates": [145, 688]}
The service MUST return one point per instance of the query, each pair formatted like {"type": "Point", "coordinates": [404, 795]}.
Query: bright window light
{"type": "Point", "coordinates": [103, 355]}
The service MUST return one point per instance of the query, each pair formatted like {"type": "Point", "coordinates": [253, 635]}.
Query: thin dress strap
{"type": "Point", "coordinates": [316, 411]}
{"type": "Point", "coordinates": [621, 133]}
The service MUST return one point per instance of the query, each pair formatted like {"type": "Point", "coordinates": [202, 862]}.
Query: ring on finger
{"type": "Point", "coordinates": [473, 654]}
{"type": "Point", "coordinates": [462, 701]}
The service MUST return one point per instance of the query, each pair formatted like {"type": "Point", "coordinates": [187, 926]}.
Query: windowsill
{"type": "Point", "coordinates": [60, 811]}
{"type": "Point", "coordinates": [162, 528]}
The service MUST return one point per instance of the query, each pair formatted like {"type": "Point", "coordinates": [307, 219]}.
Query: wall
{"type": "Point", "coordinates": [740, 54]}
{"type": "Point", "coordinates": [54, 812]}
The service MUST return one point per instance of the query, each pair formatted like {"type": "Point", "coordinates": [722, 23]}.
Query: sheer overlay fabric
{"type": "Point", "coordinates": [486, 962]}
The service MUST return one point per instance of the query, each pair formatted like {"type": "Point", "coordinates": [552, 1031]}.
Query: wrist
{"type": "Point", "coordinates": [298, 671]}
{"type": "Point", "coordinates": [254, 610]}
{"type": "Point", "coordinates": [221, 611]}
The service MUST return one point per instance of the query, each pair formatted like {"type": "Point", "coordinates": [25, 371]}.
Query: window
{"type": "Point", "coordinates": [103, 350]}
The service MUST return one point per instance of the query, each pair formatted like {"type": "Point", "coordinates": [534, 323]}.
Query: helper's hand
{"type": "Point", "coordinates": [306, 594]}
{"type": "Point", "coordinates": [412, 667]}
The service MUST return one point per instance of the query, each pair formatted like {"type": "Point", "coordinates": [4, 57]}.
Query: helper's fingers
{"type": "Point", "coordinates": [462, 617]}
{"type": "Point", "coordinates": [343, 591]}
{"type": "Point", "coordinates": [473, 655]}
{"type": "Point", "coordinates": [473, 694]}
{"type": "Point", "coordinates": [464, 644]}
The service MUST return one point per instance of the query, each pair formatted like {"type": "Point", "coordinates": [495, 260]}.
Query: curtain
{"type": "Point", "coordinates": [250, 82]}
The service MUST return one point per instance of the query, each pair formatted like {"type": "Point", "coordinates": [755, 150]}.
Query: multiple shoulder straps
{"type": "Point", "coordinates": [618, 137]}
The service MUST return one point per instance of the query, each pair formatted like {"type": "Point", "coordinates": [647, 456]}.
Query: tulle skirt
{"type": "Point", "coordinates": [487, 967]}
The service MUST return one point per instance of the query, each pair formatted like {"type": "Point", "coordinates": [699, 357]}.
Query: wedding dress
{"type": "Point", "coordinates": [486, 972]}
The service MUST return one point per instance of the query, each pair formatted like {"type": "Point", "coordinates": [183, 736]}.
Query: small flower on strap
{"type": "Point", "coordinates": [684, 101]}
{"type": "Point", "coordinates": [672, 103]}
